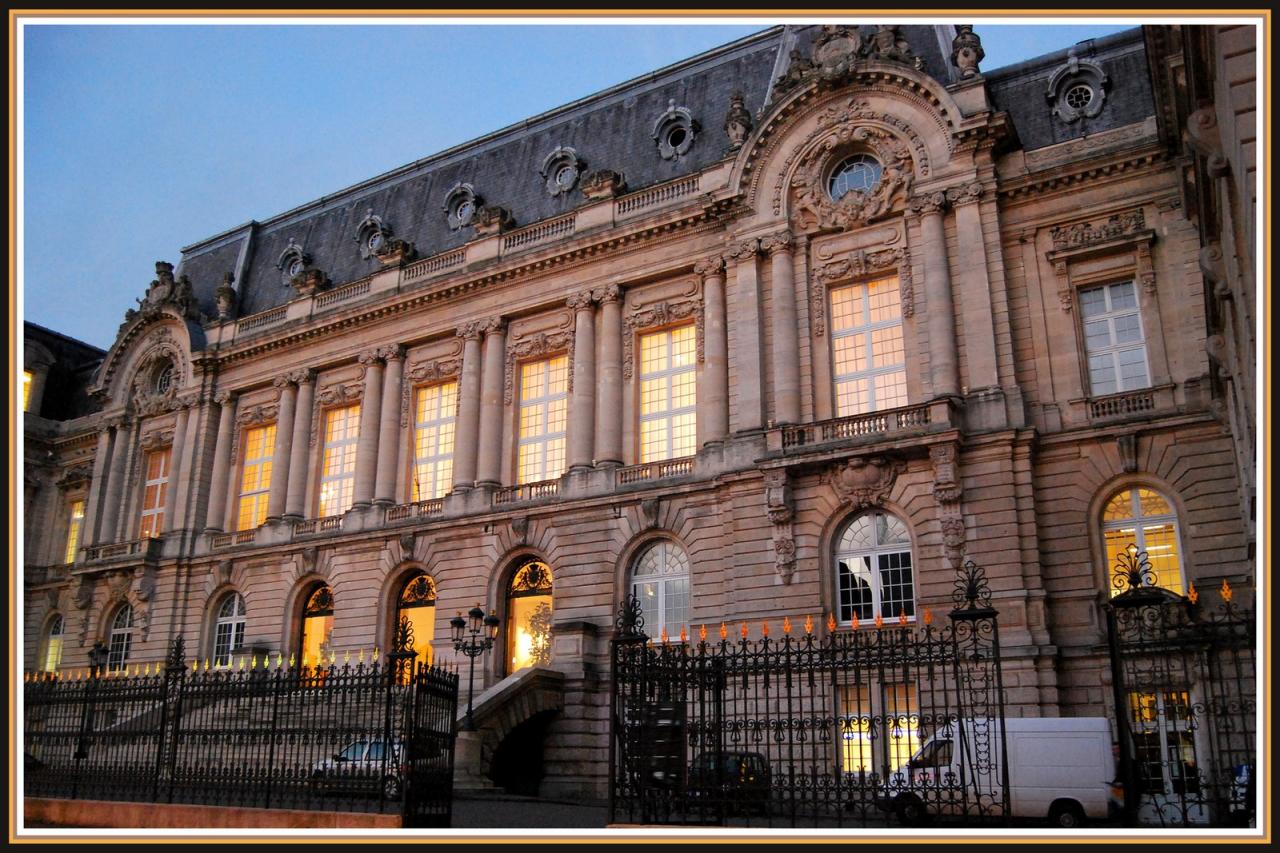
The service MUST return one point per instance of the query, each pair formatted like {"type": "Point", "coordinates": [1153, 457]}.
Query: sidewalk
{"type": "Point", "coordinates": [509, 811]}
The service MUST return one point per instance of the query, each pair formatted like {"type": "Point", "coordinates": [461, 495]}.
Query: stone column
{"type": "Point", "coordinates": [370, 414]}
{"type": "Point", "coordinates": [974, 281]}
{"type": "Point", "coordinates": [295, 498]}
{"type": "Point", "coordinates": [937, 282]}
{"type": "Point", "coordinates": [489, 459]}
{"type": "Point", "coordinates": [713, 389]}
{"type": "Point", "coordinates": [786, 343]}
{"type": "Point", "coordinates": [215, 512]}
{"type": "Point", "coordinates": [97, 491]}
{"type": "Point", "coordinates": [582, 408]}
{"type": "Point", "coordinates": [608, 451]}
{"type": "Point", "coordinates": [747, 348]}
{"type": "Point", "coordinates": [466, 439]}
{"type": "Point", "coordinates": [188, 483]}
{"type": "Point", "coordinates": [115, 480]}
{"type": "Point", "coordinates": [283, 450]}
{"type": "Point", "coordinates": [385, 484]}
{"type": "Point", "coordinates": [177, 452]}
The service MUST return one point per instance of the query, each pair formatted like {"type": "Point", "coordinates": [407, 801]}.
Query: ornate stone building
{"type": "Point", "coordinates": [791, 328]}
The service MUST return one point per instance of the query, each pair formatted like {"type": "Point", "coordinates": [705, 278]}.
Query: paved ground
{"type": "Point", "coordinates": [512, 812]}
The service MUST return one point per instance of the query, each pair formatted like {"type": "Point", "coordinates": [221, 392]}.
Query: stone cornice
{"type": "Point", "coordinates": [1033, 187]}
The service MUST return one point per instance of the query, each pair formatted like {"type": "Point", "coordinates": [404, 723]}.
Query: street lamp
{"type": "Point", "coordinates": [468, 639]}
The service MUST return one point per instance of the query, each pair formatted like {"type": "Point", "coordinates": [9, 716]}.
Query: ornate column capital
{"type": "Point", "coordinates": [391, 352]}
{"type": "Point", "coordinates": [582, 301]}
{"type": "Point", "coordinates": [493, 326]}
{"type": "Point", "coordinates": [706, 267]}
{"type": "Point", "coordinates": [472, 331]}
{"type": "Point", "coordinates": [225, 398]}
{"type": "Point", "coordinates": [746, 250]}
{"type": "Point", "coordinates": [282, 381]}
{"type": "Point", "coordinates": [929, 203]}
{"type": "Point", "coordinates": [610, 293]}
{"type": "Point", "coordinates": [966, 194]}
{"type": "Point", "coordinates": [370, 357]}
{"type": "Point", "coordinates": [780, 242]}
{"type": "Point", "coordinates": [302, 376]}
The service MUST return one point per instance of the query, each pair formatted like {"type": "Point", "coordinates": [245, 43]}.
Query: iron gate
{"type": "Point", "coordinates": [843, 728]}
{"type": "Point", "coordinates": [432, 729]}
{"type": "Point", "coordinates": [1183, 686]}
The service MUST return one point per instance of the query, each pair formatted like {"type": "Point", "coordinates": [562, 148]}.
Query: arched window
{"type": "Point", "coordinates": [1147, 519]}
{"type": "Point", "coordinates": [51, 656]}
{"type": "Point", "coordinates": [317, 627]}
{"type": "Point", "coordinates": [529, 616]}
{"type": "Point", "coordinates": [417, 603]}
{"type": "Point", "coordinates": [229, 629]}
{"type": "Point", "coordinates": [121, 639]}
{"type": "Point", "coordinates": [660, 580]}
{"type": "Point", "coordinates": [874, 569]}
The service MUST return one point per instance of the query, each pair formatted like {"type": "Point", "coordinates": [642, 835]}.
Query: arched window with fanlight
{"type": "Point", "coordinates": [317, 627]}
{"type": "Point", "coordinates": [529, 611]}
{"type": "Point", "coordinates": [228, 631]}
{"type": "Point", "coordinates": [51, 653]}
{"type": "Point", "coordinates": [1143, 517]}
{"type": "Point", "coordinates": [417, 604]}
{"type": "Point", "coordinates": [660, 581]}
{"type": "Point", "coordinates": [121, 639]}
{"type": "Point", "coordinates": [874, 570]}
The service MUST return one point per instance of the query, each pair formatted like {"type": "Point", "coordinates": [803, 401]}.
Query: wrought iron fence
{"type": "Point", "coordinates": [1184, 689]}
{"type": "Point", "coordinates": [803, 729]}
{"type": "Point", "coordinates": [264, 733]}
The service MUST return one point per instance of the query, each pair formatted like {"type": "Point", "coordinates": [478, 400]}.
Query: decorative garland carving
{"type": "Point", "coordinates": [866, 481]}
{"type": "Point", "coordinates": [75, 475]}
{"type": "Point", "coordinates": [778, 499]}
{"type": "Point", "coordinates": [947, 487]}
{"type": "Point", "coordinates": [1084, 234]}
{"type": "Point", "coordinates": [259, 414]}
{"type": "Point", "coordinates": [810, 199]}
{"type": "Point", "coordinates": [536, 345]}
{"type": "Point", "coordinates": [856, 264]}
{"type": "Point", "coordinates": [660, 314]}
{"type": "Point", "coordinates": [338, 394]}
{"type": "Point", "coordinates": [425, 373]}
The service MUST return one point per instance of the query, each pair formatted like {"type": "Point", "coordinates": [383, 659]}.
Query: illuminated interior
{"type": "Point", "coordinates": [544, 400]}
{"type": "Point", "coordinates": [668, 394]}
{"type": "Point", "coordinates": [1145, 518]}
{"type": "Point", "coordinates": [433, 436]}
{"type": "Point", "coordinates": [154, 492]}
{"type": "Point", "coordinates": [868, 353]}
{"type": "Point", "coordinates": [255, 481]}
{"type": "Point", "coordinates": [338, 465]}
{"type": "Point", "coordinates": [529, 610]}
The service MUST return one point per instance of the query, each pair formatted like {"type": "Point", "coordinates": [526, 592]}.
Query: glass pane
{"type": "Point", "coordinates": [855, 588]}
{"type": "Point", "coordinates": [846, 308]}
{"type": "Point", "coordinates": [1093, 302]}
{"type": "Point", "coordinates": [1123, 296]}
{"type": "Point", "coordinates": [852, 397]}
{"type": "Point", "coordinates": [529, 631]}
{"type": "Point", "coordinates": [1120, 507]}
{"type": "Point", "coordinates": [1152, 504]}
{"type": "Point", "coordinates": [316, 633]}
{"type": "Point", "coordinates": [897, 592]}
{"type": "Point", "coordinates": [891, 390]}
{"type": "Point", "coordinates": [859, 535]}
{"type": "Point", "coordinates": [1161, 544]}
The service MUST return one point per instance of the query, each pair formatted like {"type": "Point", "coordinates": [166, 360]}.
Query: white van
{"type": "Point", "coordinates": [1060, 768]}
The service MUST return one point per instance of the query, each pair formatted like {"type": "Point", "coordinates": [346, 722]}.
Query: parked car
{"type": "Point", "coordinates": [736, 779]}
{"type": "Point", "coordinates": [364, 766]}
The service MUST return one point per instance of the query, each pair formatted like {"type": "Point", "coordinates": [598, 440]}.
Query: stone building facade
{"type": "Point", "coordinates": [791, 328]}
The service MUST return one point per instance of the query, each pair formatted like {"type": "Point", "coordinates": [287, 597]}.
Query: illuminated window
{"type": "Point", "coordinates": [73, 531]}
{"type": "Point", "coordinates": [668, 394]}
{"type": "Point", "coordinates": [1163, 731]}
{"type": "Point", "coordinates": [121, 639]}
{"type": "Point", "coordinates": [417, 603]}
{"type": "Point", "coordinates": [660, 580]}
{"type": "Point", "coordinates": [544, 401]}
{"type": "Point", "coordinates": [255, 481]}
{"type": "Point", "coordinates": [1113, 341]}
{"type": "Point", "coordinates": [433, 432]}
{"type": "Point", "coordinates": [317, 628]}
{"type": "Point", "coordinates": [529, 616]}
{"type": "Point", "coordinates": [26, 390]}
{"type": "Point", "coordinates": [1145, 518]}
{"type": "Point", "coordinates": [229, 629]}
{"type": "Point", "coordinates": [867, 353]}
{"type": "Point", "coordinates": [873, 567]}
{"type": "Point", "coordinates": [879, 727]}
{"type": "Point", "coordinates": [338, 465]}
{"type": "Point", "coordinates": [52, 655]}
{"type": "Point", "coordinates": [154, 491]}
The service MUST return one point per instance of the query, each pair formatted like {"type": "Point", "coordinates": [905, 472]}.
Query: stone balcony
{"type": "Point", "coordinates": [874, 428]}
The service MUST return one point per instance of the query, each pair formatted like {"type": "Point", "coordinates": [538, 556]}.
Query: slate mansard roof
{"type": "Point", "coordinates": [611, 130]}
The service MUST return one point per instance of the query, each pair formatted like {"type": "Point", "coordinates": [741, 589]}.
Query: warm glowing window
{"type": "Point", "coordinates": [867, 353]}
{"type": "Point", "coordinates": [52, 656]}
{"type": "Point", "coordinates": [529, 616]}
{"type": "Point", "coordinates": [229, 629]}
{"type": "Point", "coordinates": [417, 603]}
{"type": "Point", "coordinates": [121, 639]}
{"type": "Point", "coordinates": [73, 531]}
{"type": "Point", "coordinates": [873, 568]}
{"type": "Point", "coordinates": [433, 433]}
{"type": "Point", "coordinates": [879, 727]}
{"type": "Point", "coordinates": [338, 465]}
{"type": "Point", "coordinates": [1162, 726]}
{"type": "Point", "coordinates": [26, 390]}
{"type": "Point", "coordinates": [544, 401]}
{"type": "Point", "coordinates": [1145, 518]}
{"type": "Point", "coordinates": [1113, 341]}
{"type": "Point", "coordinates": [154, 491]}
{"type": "Point", "coordinates": [317, 628]}
{"type": "Point", "coordinates": [255, 481]}
{"type": "Point", "coordinates": [660, 580]}
{"type": "Point", "coordinates": [668, 395]}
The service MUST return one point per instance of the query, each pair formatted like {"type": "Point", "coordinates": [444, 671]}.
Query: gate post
{"type": "Point", "coordinates": [628, 631]}
{"type": "Point", "coordinates": [174, 679]}
{"type": "Point", "coordinates": [400, 670]}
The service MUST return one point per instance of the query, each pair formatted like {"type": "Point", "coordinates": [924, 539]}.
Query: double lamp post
{"type": "Point", "coordinates": [473, 637]}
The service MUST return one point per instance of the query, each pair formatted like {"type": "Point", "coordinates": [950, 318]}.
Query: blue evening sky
{"type": "Point", "coordinates": [141, 139]}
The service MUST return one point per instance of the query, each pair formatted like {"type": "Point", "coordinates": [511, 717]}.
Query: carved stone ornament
{"type": "Point", "coordinates": [260, 414]}
{"type": "Point", "coordinates": [372, 234]}
{"type": "Point", "coordinates": [784, 558]}
{"type": "Point", "coordinates": [491, 219]}
{"type": "Point", "coordinates": [82, 595]}
{"type": "Point", "coordinates": [165, 293]}
{"type": "Point", "coordinates": [156, 438]}
{"type": "Point", "coordinates": [1127, 446]}
{"type": "Point", "coordinates": [1083, 234]}
{"type": "Point", "coordinates": [857, 264]}
{"type": "Point", "coordinates": [292, 261]}
{"type": "Point", "coordinates": [887, 44]}
{"type": "Point", "coordinates": [777, 495]}
{"type": "Point", "coordinates": [406, 546]}
{"type": "Point", "coordinates": [520, 529]}
{"type": "Point", "coordinates": [395, 251]}
{"type": "Point", "coordinates": [946, 478]}
{"type": "Point", "coordinates": [811, 200]}
{"type": "Point", "coordinates": [141, 590]}
{"type": "Point", "coordinates": [426, 373]}
{"type": "Point", "coordinates": [606, 294]}
{"type": "Point", "coordinates": [967, 194]}
{"type": "Point", "coordinates": [338, 394]}
{"type": "Point", "coordinates": [706, 267]}
{"type": "Point", "coordinates": [309, 281]}
{"type": "Point", "coordinates": [1073, 75]}
{"type": "Point", "coordinates": [649, 512]}
{"type": "Point", "coordinates": [967, 52]}
{"type": "Point", "coordinates": [228, 299]}
{"type": "Point", "coordinates": [832, 60]}
{"type": "Point", "coordinates": [660, 314]}
{"type": "Point", "coordinates": [866, 481]}
{"type": "Point", "coordinates": [221, 572]}
{"type": "Point", "coordinates": [737, 122]}
{"type": "Point", "coordinates": [75, 475]}
{"type": "Point", "coordinates": [536, 345]}
{"type": "Point", "coordinates": [561, 170]}
{"type": "Point", "coordinates": [602, 184]}
{"type": "Point", "coordinates": [953, 538]}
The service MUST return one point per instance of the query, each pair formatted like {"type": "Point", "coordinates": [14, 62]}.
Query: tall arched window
{"type": "Point", "coordinates": [228, 632]}
{"type": "Point", "coordinates": [874, 569]}
{"type": "Point", "coordinates": [51, 656]}
{"type": "Point", "coordinates": [417, 603]}
{"type": "Point", "coordinates": [121, 639]}
{"type": "Point", "coordinates": [660, 580]}
{"type": "Point", "coordinates": [1147, 519]}
{"type": "Point", "coordinates": [317, 627]}
{"type": "Point", "coordinates": [529, 616]}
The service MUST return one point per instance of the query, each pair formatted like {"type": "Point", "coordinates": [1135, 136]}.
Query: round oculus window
{"type": "Point", "coordinates": [375, 241]}
{"type": "Point", "coordinates": [1079, 96]}
{"type": "Point", "coordinates": [565, 176]}
{"type": "Point", "coordinates": [164, 379]}
{"type": "Point", "coordinates": [861, 172]}
{"type": "Point", "coordinates": [295, 267]}
{"type": "Point", "coordinates": [676, 136]}
{"type": "Point", "coordinates": [464, 211]}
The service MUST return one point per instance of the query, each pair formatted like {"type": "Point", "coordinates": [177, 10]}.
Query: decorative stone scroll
{"type": "Point", "coordinates": [778, 499]}
{"type": "Point", "coordinates": [1084, 234]}
{"type": "Point", "coordinates": [426, 373]}
{"type": "Point", "coordinates": [810, 199]}
{"type": "Point", "coordinates": [535, 345]}
{"type": "Point", "coordinates": [947, 491]}
{"type": "Point", "coordinates": [858, 263]}
{"type": "Point", "coordinates": [1129, 227]}
{"type": "Point", "coordinates": [337, 394]}
{"type": "Point", "coordinates": [660, 314]}
{"type": "Point", "coordinates": [75, 475]}
{"type": "Point", "coordinates": [866, 481]}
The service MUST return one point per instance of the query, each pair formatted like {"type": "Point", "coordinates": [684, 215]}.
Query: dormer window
{"type": "Point", "coordinates": [372, 234]}
{"type": "Point", "coordinates": [561, 169]}
{"type": "Point", "coordinates": [674, 131]}
{"type": "Point", "coordinates": [1078, 89]}
{"type": "Point", "coordinates": [292, 261]}
{"type": "Point", "coordinates": [460, 205]}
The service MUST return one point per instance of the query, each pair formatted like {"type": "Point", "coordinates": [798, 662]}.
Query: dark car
{"type": "Point", "coordinates": [362, 767]}
{"type": "Point", "coordinates": [738, 780]}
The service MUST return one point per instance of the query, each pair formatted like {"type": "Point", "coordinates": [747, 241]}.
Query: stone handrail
{"type": "Point", "coordinates": [655, 470]}
{"type": "Point", "coordinates": [657, 195]}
